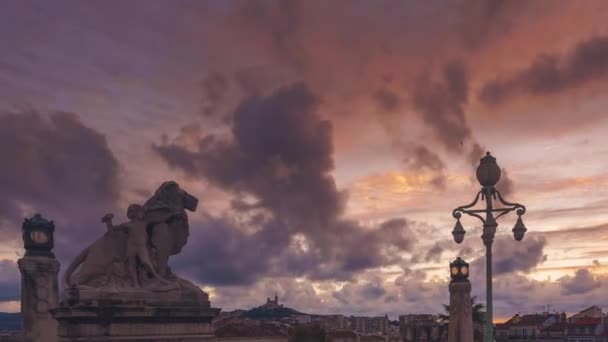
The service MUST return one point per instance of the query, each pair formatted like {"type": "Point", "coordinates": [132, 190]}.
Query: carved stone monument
{"type": "Point", "coordinates": [460, 328]}
{"type": "Point", "coordinates": [39, 291]}
{"type": "Point", "coordinates": [121, 288]}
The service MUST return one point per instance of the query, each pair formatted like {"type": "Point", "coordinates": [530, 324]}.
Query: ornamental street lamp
{"type": "Point", "coordinates": [459, 270]}
{"type": "Point", "coordinates": [38, 236]}
{"type": "Point", "coordinates": [488, 174]}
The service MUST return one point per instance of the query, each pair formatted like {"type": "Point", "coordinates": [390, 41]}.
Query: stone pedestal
{"type": "Point", "coordinates": [39, 294]}
{"type": "Point", "coordinates": [460, 328]}
{"type": "Point", "coordinates": [111, 322]}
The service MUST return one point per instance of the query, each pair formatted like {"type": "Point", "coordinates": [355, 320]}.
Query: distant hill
{"type": "Point", "coordinates": [263, 313]}
{"type": "Point", "coordinates": [10, 321]}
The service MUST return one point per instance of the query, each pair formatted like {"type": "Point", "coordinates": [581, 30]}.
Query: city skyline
{"type": "Point", "coordinates": [327, 142]}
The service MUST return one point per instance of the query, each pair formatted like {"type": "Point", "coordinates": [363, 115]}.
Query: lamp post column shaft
{"type": "Point", "coordinates": [489, 229]}
{"type": "Point", "coordinates": [489, 305]}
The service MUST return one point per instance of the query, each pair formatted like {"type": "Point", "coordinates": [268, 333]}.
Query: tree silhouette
{"type": "Point", "coordinates": [478, 317]}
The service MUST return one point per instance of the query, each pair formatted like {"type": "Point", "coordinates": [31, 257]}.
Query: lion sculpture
{"type": "Point", "coordinates": [102, 265]}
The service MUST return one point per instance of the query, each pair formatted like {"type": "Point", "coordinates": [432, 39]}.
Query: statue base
{"type": "Point", "coordinates": [135, 297]}
{"type": "Point", "coordinates": [110, 322]}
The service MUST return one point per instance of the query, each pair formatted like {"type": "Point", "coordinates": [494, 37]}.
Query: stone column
{"type": "Point", "coordinates": [39, 290]}
{"type": "Point", "coordinates": [460, 328]}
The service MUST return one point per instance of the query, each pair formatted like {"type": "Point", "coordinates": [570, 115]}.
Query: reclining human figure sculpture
{"type": "Point", "coordinates": [108, 264]}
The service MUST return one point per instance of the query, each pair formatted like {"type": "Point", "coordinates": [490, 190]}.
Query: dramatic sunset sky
{"type": "Point", "coordinates": [327, 141]}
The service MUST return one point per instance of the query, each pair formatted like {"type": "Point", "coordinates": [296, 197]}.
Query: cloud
{"type": "Point", "coordinates": [419, 157]}
{"type": "Point", "coordinates": [388, 100]}
{"type": "Point", "coordinates": [481, 19]}
{"type": "Point", "coordinates": [582, 282]}
{"type": "Point", "coordinates": [441, 105]}
{"type": "Point", "coordinates": [58, 167]}
{"type": "Point", "coordinates": [277, 163]}
{"type": "Point", "coordinates": [510, 256]}
{"type": "Point", "coordinates": [372, 291]}
{"type": "Point", "coordinates": [434, 253]}
{"type": "Point", "coordinates": [10, 281]}
{"type": "Point", "coordinates": [214, 88]}
{"type": "Point", "coordinates": [280, 152]}
{"type": "Point", "coordinates": [552, 74]}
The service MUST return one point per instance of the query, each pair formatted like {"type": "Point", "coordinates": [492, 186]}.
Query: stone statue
{"type": "Point", "coordinates": [137, 242]}
{"type": "Point", "coordinates": [133, 256]}
{"type": "Point", "coordinates": [166, 214]}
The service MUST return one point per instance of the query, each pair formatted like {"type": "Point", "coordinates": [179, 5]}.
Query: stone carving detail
{"type": "Point", "coordinates": [133, 256]}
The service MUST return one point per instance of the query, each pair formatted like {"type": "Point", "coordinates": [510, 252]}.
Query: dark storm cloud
{"type": "Point", "coordinates": [367, 291]}
{"type": "Point", "coordinates": [582, 282]}
{"type": "Point", "coordinates": [434, 253]}
{"type": "Point", "coordinates": [529, 254]}
{"type": "Point", "coordinates": [513, 256]}
{"type": "Point", "coordinates": [550, 74]}
{"type": "Point", "coordinates": [441, 104]}
{"type": "Point", "coordinates": [214, 87]}
{"type": "Point", "coordinates": [238, 257]}
{"type": "Point", "coordinates": [505, 184]}
{"type": "Point", "coordinates": [483, 19]}
{"type": "Point", "coordinates": [280, 153]}
{"type": "Point", "coordinates": [225, 255]}
{"type": "Point", "coordinates": [10, 281]}
{"type": "Point", "coordinates": [279, 21]}
{"type": "Point", "coordinates": [254, 80]}
{"type": "Point", "coordinates": [56, 166]}
{"type": "Point", "coordinates": [388, 100]}
{"type": "Point", "coordinates": [420, 158]}
{"type": "Point", "coordinates": [372, 291]}
{"type": "Point", "coordinates": [281, 18]}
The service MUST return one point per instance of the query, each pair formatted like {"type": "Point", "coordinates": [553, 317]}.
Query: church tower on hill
{"type": "Point", "coordinates": [272, 304]}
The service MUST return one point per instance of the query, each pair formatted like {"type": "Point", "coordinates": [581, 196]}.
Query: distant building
{"type": "Point", "coordinates": [272, 304]}
{"type": "Point", "coordinates": [589, 325]}
{"type": "Point", "coordinates": [528, 327]}
{"type": "Point", "coordinates": [590, 312]}
{"type": "Point", "coordinates": [333, 322]}
{"type": "Point", "coordinates": [301, 319]}
{"type": "Point", "coordinates": [420, 327]}
{"type": "Point", "coordinates": [370, 325]}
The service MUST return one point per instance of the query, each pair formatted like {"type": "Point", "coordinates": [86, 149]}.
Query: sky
{"type": "Point", "coordinates": [327, 141]}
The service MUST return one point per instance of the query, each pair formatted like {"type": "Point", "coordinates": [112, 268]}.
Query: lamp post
{"type": "Point", "coordinates": [488, 174]}
{"type": "Point", "coordinates": [460, 327]}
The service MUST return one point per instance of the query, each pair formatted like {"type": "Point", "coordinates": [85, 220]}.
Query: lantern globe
{"type": "Point", "coordinates": [38, 236]}
{"type": "Point", "coordinates": [458, 232]}
{"type": "Point", "coordinates": [519, 230]}
{"type": "Point", "coordinates": [459, 270]}
{"type": "Point", "coordinates": [488, 172]}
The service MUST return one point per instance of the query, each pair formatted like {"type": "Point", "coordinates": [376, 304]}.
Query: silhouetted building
{"type": "Point", "coordinates": [589, 325]}
{"type": "Point", "coordinates": [527, 327]}
{"type": "Point", "coordinates": [370, 325]}
{"type": "Point", "coordinates": [420, 327]}
{"type": "Point", "coordinates": [272, 304]}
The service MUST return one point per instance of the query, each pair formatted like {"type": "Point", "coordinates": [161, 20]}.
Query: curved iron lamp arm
{"type": "Point", "coordinates": [457, 213]}
{"type": "Point", "coordinates": [513, 206]}
{"type": "Point", "coordinates": [520, 209]}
